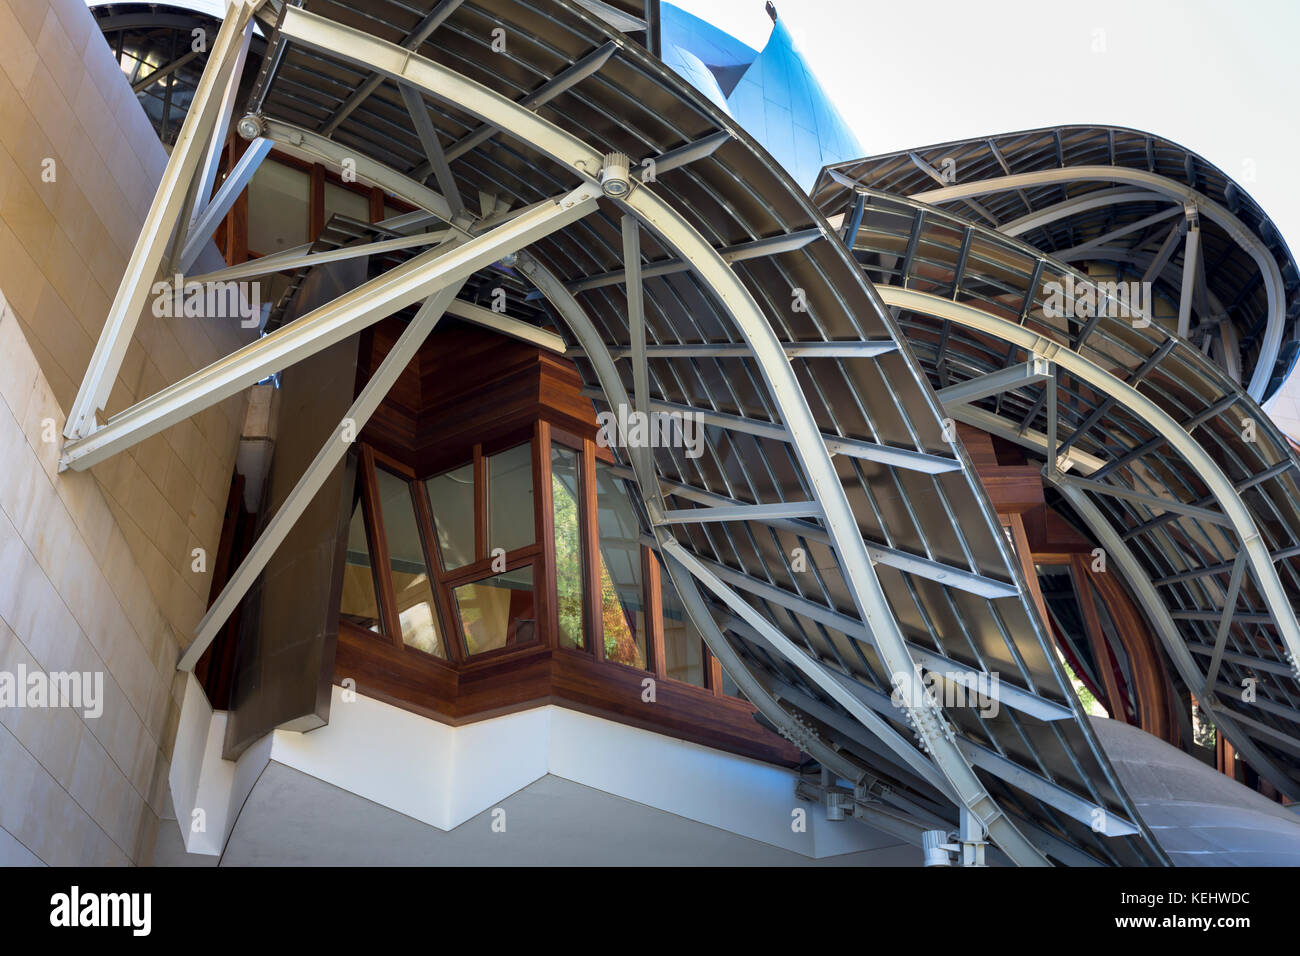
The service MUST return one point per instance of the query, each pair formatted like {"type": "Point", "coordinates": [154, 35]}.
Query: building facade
{"type": "Point", "coordinates": [531, 433]}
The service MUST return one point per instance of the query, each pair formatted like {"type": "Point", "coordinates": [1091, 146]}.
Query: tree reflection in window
{"type": "Point", "coordinates": [565, 496]}
{"type": "Point", "coordinates": [622, 610]}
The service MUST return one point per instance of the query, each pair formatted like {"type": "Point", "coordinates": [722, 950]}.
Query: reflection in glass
{"type": "Point", "coordinates": [683, 645]}
{"type": "Point", "coordinates": [568, 545]}
{"type": "Point", "coordinates": [498, 611]}
{"type": "Point", "coordinates": [415, 607]}
{"type": "Point", "coordinates": [359, 605]}
{"type": "Point", "coordinates": [621, 606]}
{"type": "Point", "coordinates": [451, 498]}
{"type": "Point", "coordinates": [510, 498]}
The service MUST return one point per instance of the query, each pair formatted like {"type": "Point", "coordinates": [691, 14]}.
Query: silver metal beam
{"type": "Point", "coordinates": [1014, 697]}
{"type": "Point", "coordinates": [907, 458]}
{"type": "Point", "coordinates": [740, 252]}
{"type": "Point", "coordinates": [946, 574]}
{"type": "Point", "coordinates": [828, 680]}
{"type": "Point", "coordinates": [432, 148]}
{"type": "Point", "coordinates": [1151, 501]}
{"type": "Point", "coordinates": [1004, 380]}
{"type": "Point", "coordinates": [207, 172]}
{"type": "Point", "coordinates": [313, 148]}
{"type": "Point", "coordinates": [766, 512]}
{"type": "Point", "coordinates": [1225, 622]}
{"type": "Point", "coordinates": [1157, 615]}
{"type": "Point", "coordinates": [699, 149]}
{"type": "Point", "coordinates": [1119, 233]}
{"type": "Point", "coordinates": [1138, 404]}
{"type": "Point", "coordinates": [423, 30]}
{"type": "Point", "coordinates": [754, 326]}
{"type": "Point", "coordinates": [1191, 262]}
{"type": "Point", "coordinates": [321, 467]}
{"type": "Point", "coordinates": [158, 228]}
{"type": "Point", "coordinates": [1234, 227]}
{"type": "Point", "coordinates": [506, 325]}
{"type": "Point", "coordinates": [1028, 437]}
{"type": "Point", "coordinates": [322, 327]}
{"type": "Point", "coordinates": [297, 259]}
{"type": "Point", "coordinates": [201, 230]}
{"type": "Point", "coordinates": [868, 348]}
{"type": "Point", "coordinates": [163, 72]}
{"type": "Point", "coordinates": [583, 68]}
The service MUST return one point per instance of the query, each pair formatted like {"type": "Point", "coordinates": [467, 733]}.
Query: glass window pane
{"type": "Point", "coordinates": [451, 498]}
{"type": "Point", "coordinates": [498, 611]}
{"type": "Point", "coordinates": [621, 606]}
{"type": "Point", "coordinates": [568, 544]}
{"type": "Point", "coordinates": [683, 645]}
{"type": "Point", "coordinates": [510, 498]}
{"type": "Point", "coordinates": [415, 607]}
{"type": "Point", "coordinates": [359, 605]}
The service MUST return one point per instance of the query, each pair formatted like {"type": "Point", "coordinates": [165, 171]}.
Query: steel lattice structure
{"type": "Point", "coordinates": [705, 281]}
{"type": "Point", "coordinates": [1202, 518]}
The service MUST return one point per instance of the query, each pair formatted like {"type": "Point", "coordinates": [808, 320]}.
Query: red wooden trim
{"type": "Point", "coordinates": [1101, 651]}
{"type": "Point", "coordinates": [544, 509]}
{"type": "Point", "coordinates": [591, 551]}
{"type": "Point", "coordinates": [657, 659]}
{"type": "Point", "coordinates": [316, 203]}
{"type": "Point", "coordinates": [480, 504]}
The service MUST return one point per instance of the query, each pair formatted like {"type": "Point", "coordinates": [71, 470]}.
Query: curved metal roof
{"type": "Point", "coordinates": [713, 287]}
{"type": "Point", "coordinates": [1125, 197]}
{"type": "Point", "coordinates": [907, 563]}
{"type": "Point", "coordinates": [1139, 411]}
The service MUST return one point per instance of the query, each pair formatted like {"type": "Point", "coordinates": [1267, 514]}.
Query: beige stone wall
{"type": "Point", "coordinates": [63, 248]}
{"type": "Point", "coordinates": [95, 569]}
{"type": "Point", "coordinates": [74, 790]}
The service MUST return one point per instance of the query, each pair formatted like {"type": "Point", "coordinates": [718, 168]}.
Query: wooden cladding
{"type": "Point", "coordinates": [468, 398]}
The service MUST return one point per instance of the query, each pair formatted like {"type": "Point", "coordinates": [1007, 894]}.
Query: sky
{"type": "Point", "coordinates": [1222, 79]}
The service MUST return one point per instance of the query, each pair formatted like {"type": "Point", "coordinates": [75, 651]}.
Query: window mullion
{"type": "Point", "coordinates": [390, 622]}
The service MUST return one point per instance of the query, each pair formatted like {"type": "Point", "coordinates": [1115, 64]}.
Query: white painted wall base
{"type": "Point", "coordinates": [443, 776]}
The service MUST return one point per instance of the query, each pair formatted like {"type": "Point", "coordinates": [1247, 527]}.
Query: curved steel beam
{"type": "Point", "coordinates": [1221, 488]}
{"type": "Point", "coordinates": [1237, 230]}
{"type": "Point", "coordinates": [869, 599]}
{"type": "Point", "coordinates": [1158, 616]}
{"type": "Point", "coordinates": [584, 330]}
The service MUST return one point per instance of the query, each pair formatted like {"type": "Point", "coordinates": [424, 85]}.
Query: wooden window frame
{"type": "Point", "coordinates": [540, 556]}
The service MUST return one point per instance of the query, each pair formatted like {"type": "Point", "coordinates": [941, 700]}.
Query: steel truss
{"type": "Point", "coordinates": [1197, 511]}
{"type": "Point", "coordinates": [823, 440]}
{"type": "Point", "coordinates": [1147, 207]}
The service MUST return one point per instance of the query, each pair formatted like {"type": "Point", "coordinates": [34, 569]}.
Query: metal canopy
{"type": "Point", "coordinates": [1119, 196]}
{"type": "Point", "coordinates": [1174, 446]}
{"type": "Point", "coordinates": [836, 577]}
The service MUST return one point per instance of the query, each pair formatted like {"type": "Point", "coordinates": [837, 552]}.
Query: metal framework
{"type": "Point", "coordinates": [832, 543]}
{"type": "Point", "coordinates": [1187, 482]}
{"type": "Point", "coordinates": [1148, 208]}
